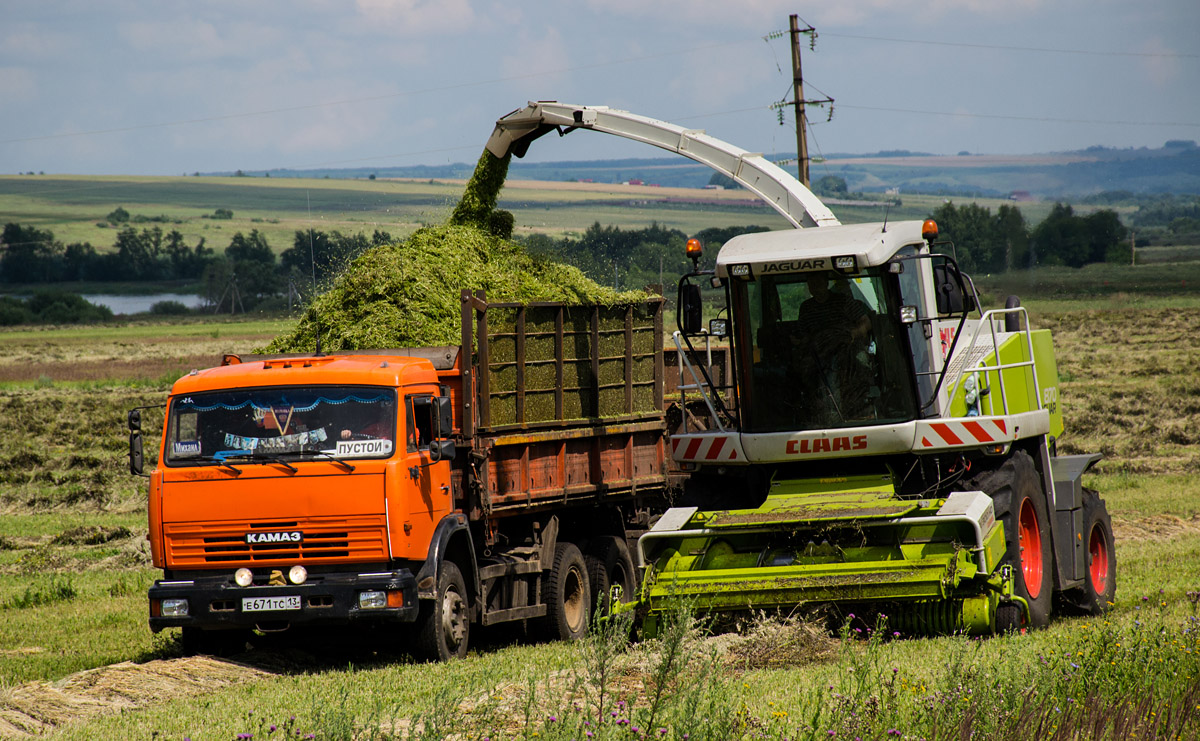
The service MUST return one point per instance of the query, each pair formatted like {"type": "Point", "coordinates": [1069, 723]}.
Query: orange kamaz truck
{"type": "Point", "coordinates": [424, 491]}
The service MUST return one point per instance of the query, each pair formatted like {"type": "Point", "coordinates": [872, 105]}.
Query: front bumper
{"type": "Point", "coordinates": [216, 602]}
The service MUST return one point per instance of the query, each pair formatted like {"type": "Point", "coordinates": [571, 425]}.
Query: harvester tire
{"type": "Point", "coordinates": [568, 598]}
{"type": "Point", "coordinates": [1020, 504]}
{"type": "Point", "coordinates": [1099, 587]}
{"type": "Point", "coordinates": [444, 623]}
{"type": "Point", "coordinates": [609, 564]}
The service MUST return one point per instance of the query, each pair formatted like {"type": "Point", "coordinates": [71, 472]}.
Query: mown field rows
{"type": "Point", "coordinates": [74, 567]}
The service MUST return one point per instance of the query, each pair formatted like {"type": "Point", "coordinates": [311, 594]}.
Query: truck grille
{"type": "Point", "coordinates": [325, 540]}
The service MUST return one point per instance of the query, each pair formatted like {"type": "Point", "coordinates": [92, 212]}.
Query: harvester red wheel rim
{"type": "Point", "coordinates": [1031, 549]}
{"type": "Point", "coordinates": [1098, 569]}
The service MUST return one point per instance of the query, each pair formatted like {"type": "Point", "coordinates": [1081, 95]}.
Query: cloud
{"type": "Point", "coordinates": [17, 84]}
{"type": "Point", "coordinates": [1161, 69]}
{"type": "Point", "coordinates": [33, 42]}
{"type": "Point", "coordinates": [418, 17]}
{"type": "Point", "coordinates": [191, 39]}
{"type": "Point", "coordinates": [763, 16]}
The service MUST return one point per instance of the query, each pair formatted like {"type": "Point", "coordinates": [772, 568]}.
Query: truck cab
{"type": "Point", "coordinates": [274, 475]}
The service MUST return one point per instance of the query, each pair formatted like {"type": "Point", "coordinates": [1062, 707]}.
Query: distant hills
{"type": "Point", "coordinates": [1173, 168]}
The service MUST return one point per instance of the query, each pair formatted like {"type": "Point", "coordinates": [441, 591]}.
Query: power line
{"type": "Point", "coordinates": [1000, 47]}
{"type": "Point", "coordinates": [1008, 117]}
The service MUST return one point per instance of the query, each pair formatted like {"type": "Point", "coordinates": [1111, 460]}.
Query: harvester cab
{"type": "Point", "coordinates": [882, 444]}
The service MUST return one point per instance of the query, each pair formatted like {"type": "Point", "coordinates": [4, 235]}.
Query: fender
{"type": "Point", "coordinates": [445, 532]}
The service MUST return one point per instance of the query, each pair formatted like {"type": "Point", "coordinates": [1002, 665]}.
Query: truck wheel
{"type": "Point", "coordinates": [609, 564]}
{"type": "Point", "coordinates": [567, 596]}
{"type": "Point", "coordinates": [1100, 577]}
{"type": "Point", "coordinates": [1020, 504]}
{"type": "Point", "coordinates": [444, 623]}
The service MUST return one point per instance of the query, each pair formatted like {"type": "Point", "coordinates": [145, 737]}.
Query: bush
{"type": "Point", "coordinates": [13, 311]}
{"type": "Point", "coordinates": [59, 307]}
{"type": "Point", "coordinates": [169, 308]}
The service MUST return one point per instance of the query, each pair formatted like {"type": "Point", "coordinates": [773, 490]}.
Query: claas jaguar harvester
{"type": "Point", "coordinates": [882, 444]}
{"type": "Point", "coordinates": [415, 492]}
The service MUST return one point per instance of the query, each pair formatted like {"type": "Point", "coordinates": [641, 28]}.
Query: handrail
{"type": "Point", "coordinates": [990, 318]}
{"type": "Point", "coordinates": [696, 383]}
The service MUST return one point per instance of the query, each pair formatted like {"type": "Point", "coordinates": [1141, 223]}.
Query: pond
{"type": "Point", "coordinates": [141, 304]}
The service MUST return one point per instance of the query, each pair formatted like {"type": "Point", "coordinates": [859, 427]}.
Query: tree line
{"type": "Point", "coordinates": [626, 258]}
{"type": "Point", "coordinates": [33, 256]}
{"type": "Point", "coordinates": [993, 243]}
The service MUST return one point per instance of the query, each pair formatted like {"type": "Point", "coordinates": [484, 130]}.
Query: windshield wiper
{"type": "Point", "coordinates": [219, 460]}
{"type": "Point", "coordinates": [349, 468]}
{"type": "Point", "coordinates": [253, 457]}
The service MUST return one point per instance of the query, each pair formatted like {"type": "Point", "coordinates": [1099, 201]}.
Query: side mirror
{"type": "Point", "coordinates": [136, 461]}
{"type": "Point", "coordinates": [690, 309]}
{"type": "Point", "coordinates": [443, 416]}
{"type": "Point", "coordinates": [947, 290]}
{"type": "Point", "coordinates": [441, 450]}
{"type": "Point", "coordinates": [718, 327]}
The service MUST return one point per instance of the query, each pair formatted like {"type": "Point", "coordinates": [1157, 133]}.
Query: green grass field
{"type": "Point", "coordinates": [73, 563]}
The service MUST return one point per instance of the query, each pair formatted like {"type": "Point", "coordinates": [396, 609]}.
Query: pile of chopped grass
{"type": "Point", "coordinates": [409, 294]}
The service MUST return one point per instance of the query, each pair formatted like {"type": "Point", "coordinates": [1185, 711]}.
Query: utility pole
{"type": "Point", "coordinates": [798, 100]}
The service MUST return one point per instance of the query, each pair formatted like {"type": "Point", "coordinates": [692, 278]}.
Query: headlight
{"type": "Point", "coordinates": [175, 608]}
{"type": "Point", "coordinates": [372, 600]}
{"type": "Point", "coordinates": [297, 574]}
{"type": "Point", "coordinates": [243, 577]}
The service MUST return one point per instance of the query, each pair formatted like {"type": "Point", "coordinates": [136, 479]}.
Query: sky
{"type": "Point", "coordinates": [162, 87]}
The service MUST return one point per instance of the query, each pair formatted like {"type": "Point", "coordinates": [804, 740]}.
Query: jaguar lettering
{"type": "Point", "coordinates": [796, 266]}
{"type": "Point", "coordinates": [294, 536]}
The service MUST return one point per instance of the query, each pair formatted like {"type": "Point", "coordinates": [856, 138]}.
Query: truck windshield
{"type": "Point", "coordinates": [824, 351]}
{"type": "Point", "coordinates": [337, 421]}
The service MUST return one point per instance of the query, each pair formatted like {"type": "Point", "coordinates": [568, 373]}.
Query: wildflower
{"type": "Point", "coordinates": [271, 729]}
{"type": "Point", "coordinates": [553, 718]}
{"type": "Point", "coordinates": [895, 634]}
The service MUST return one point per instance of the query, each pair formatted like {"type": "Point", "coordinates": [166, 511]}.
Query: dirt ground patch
{"type": "Point", "coordinates": [1158, 527]}
{"type": "Point", "coordinates": [38, 707]}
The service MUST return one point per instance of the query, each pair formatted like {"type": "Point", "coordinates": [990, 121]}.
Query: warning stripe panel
{"type": "Point", "coordinates": [956, 433]}
{"type": "Point", "coordinates": [704, 448]}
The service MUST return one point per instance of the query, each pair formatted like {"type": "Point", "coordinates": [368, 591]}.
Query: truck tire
{"type": "Point", "coordinates": [444, 623]}
{"type": "Point", "coordinates": [1099, 587]}
{"type": "Point", "coordinates": [567, 596]}
{"type": "Point", "coordinates": [609, 564]}
{"type": "Point", "coordinates": [1020, 504]}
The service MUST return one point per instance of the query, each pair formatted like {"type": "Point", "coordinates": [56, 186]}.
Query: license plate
{"type": "Point", "coordinates": [264, 604]}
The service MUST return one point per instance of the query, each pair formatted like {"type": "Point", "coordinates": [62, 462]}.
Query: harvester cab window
{"type": "Point", "coordinates": [826, 352]}
{"type": "Point", "coordinates": [281, 422]}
